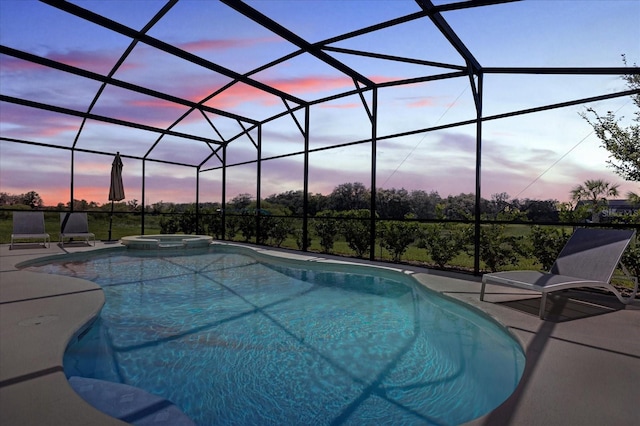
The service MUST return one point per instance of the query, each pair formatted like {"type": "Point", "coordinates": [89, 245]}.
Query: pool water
{"type": "Point", "coordinates": [233, 340]}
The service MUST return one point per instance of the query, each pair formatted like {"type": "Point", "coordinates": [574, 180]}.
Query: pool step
{"type": "Point", "coordinates": [129, 404]}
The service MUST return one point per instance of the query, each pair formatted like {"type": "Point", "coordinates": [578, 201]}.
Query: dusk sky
{"type": "Point", "coordinates": [538, 156]}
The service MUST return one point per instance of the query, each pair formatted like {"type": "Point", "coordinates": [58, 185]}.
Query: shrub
{"type": "Point", "coordinates": [397, 236]}
{"type": "Point", "coordinates": [444, 241]}
{"type": "Point", "coordinates": [356, 230]}
{"type": "Point", "coordinates": [274, 230]}
{"type": "Point", "coordinates": [169, 224]}
{"type": "Point", "coordinates": [498, 249]}
{"type": "Point", "coordinates": [232, 224]}
{"type": "Point", "coordinates": [187, 220]}
{"type": "Point", "coordinates": [247, 224]}
{"type": "Point", "coordinates": [212, 222]}
{"type": "Point", "coordinates": [297, 233]}
{"type": "Point", "coordinates": [326, 229]}
{"type": "Point", "coordinates": [547, 243]}
{"type": "Point", "coordinates": [631, 258]}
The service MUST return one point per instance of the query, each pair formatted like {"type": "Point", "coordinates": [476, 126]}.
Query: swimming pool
{"type": "Point", "coordinates": [233, 339]}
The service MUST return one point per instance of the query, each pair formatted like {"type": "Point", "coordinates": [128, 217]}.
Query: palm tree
{"type": "Point", "coordinates": [595, 191]}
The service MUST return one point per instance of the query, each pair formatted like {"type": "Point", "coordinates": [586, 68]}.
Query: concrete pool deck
{"type": "Point", "coordinates": [582, 368]}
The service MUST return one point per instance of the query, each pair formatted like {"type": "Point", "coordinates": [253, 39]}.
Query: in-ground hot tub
{"type": "Point", "coordinates": [152, 242]}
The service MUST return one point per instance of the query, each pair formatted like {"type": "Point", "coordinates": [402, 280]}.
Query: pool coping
{"type": "Point", "coordinates": [582, 367]}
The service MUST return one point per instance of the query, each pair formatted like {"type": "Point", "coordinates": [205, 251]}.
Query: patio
{"type": "Point", "coordinates": [583, 364]}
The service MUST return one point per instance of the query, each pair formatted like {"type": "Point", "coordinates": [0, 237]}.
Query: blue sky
{"type": "Point", "coordinates": [540, 156]}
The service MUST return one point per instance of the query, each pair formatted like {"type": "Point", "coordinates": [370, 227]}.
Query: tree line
{"type": "Point", "coordinates": [588, 201]}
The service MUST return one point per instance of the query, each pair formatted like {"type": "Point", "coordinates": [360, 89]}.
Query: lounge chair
{"type": "Point", "coordinates": [29, 225]}
{"type": "Point", "coordinates": [587, 260]}
{"type": "Point", "coordinates": [75, 225]}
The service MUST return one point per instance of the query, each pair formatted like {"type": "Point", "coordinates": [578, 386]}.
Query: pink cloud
{"type": "Point", "coordinates": [138, 108]}
{"type": "Point", "coordinates": [101, 62]}
{"type": "Point", "coordinates": [383, 79]}
{"type": "Point", "coordinates": [155, 103]}
{"type": "Point", "coordinates": [237, 94]}
{"type": "Point", "coordinates": [342, 106]}
{"type": "Point", "coordinates": [34, 123]}
{"type": "Point", "coordinates": [53, 183]}
{"type": "Point", "coordinates": [96, 61]}
{"type": "Point", "coordinates": [240, 93]}
{"type": "Point", "coordinates": [199, 45]}
{"type": "Point", "coordinates": [51, 131]}
{"type": "Point", "coordinates": [10, 63]}
{"type": "Point", "coordinates": [424, 102]}
{"type": "Point", "coordinates": [310, 84]}
{"type": "Point", "coordinates": [232, 97]}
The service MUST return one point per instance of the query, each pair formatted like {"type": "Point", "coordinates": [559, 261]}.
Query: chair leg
{"type": "Point", "coordinates": [482, 291]}
{"type": "Point", "coordinates": [543, 304]}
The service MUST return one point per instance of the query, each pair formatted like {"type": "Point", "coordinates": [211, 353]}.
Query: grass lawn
{"type": "Point", "coordinates": [414, 254]}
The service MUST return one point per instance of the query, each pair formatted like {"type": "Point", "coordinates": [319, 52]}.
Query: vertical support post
{"type": "Point", "coordinates": [305, 189]}
{"type": "Point", "coordinates": [144, 177]}
{"type": "Point", "coordinates": [258, 185]}
{"type": "Point", "coordinates": [374, 149]}
{"type": "Point", "coordinates": [144, 208]}
{"type": "Point", "coordinates": [198, 200]}
{"type": "Point", "coordinates": [73, 154]}
{"type": "Point", "coordinates": [224, 192]}
{"type": "Point", "coordinates": [478, 199]}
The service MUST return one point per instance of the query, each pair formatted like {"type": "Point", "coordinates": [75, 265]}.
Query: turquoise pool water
{"type": "Point", "coordinates": [232, 339]}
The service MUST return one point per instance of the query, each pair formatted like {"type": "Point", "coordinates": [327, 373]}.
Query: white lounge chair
{"type": "Point", "coordinates": [589, 259]}
{"type": "Point", "coordinates": [75, 225]}
{"type": "Point", "coordinates": [29, 225]}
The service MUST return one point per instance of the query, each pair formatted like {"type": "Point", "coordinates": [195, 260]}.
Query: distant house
{"type": "Point", "coordinates": [621, 207]}
{"type": "Point", "coordinates": [614, 208]}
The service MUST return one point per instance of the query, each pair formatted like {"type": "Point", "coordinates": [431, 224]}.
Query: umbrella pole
{"type": "Point", "coordinates": [110, 220]}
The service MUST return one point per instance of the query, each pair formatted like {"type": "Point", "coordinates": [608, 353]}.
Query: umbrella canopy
{"type": "Point", "coordinates": [116, 190]}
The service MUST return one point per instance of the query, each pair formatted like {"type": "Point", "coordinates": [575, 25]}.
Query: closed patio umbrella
{"type": "Point", "coordinates": [116, 189]}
